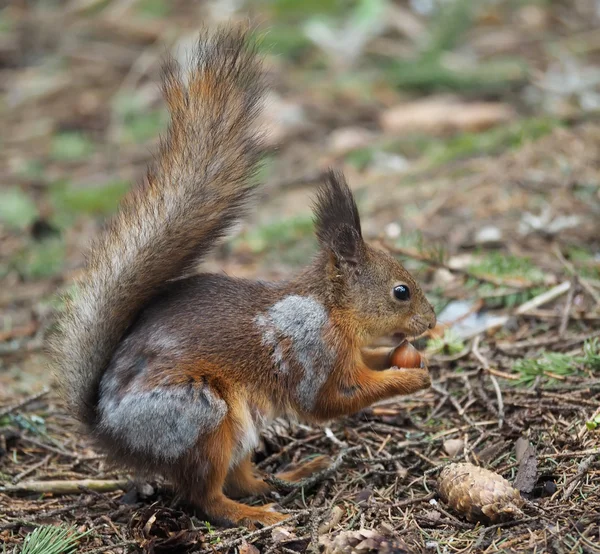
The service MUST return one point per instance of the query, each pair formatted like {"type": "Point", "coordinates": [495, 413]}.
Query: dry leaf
{"type": "Point", "coordinates": [280, 534]}
{"type": "Point", "coordinates": [246, 548]}
{"type": "Point", "coordinates": [440, 115]}
{"type": "Point", "coordinates": [336, 516]}
{"type": "Point", "coordinates": [527, 473]}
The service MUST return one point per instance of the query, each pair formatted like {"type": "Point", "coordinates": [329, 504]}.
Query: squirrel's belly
{"type": "Point", "coordinates": [163, 422]}
{"type": "Point", "coordinates": [251, 421]}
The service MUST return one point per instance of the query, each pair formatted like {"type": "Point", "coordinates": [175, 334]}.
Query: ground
{"type": "Point", "coordinates": [469, 133]}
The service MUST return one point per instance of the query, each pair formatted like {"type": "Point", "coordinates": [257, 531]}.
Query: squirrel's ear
{"type": "Point", "coordinates": [337, 222]}
{"type": "Point", "coordinates": [346, 246]}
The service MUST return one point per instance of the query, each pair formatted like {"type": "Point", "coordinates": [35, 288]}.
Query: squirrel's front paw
{"type": "Point", "coordinates": [411, 380]}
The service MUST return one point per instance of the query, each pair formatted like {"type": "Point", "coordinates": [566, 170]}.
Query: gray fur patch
{"type": "Point", "coordinates": [302, 320]}
{"type": "Point", "coordinates": [163, 423]}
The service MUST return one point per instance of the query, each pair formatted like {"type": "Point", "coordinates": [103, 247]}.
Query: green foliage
{"type": "Point", "coordinates": [32, 423]}
{"type": "Point", "coordinates": [153, 8]}
{"type": "Point", "coordinates": [496, 300]}
{"type": "Point", "coordinates": [31, 169]}
{"type": "Point", "coordinates": [361, 157]}
{"type": "Point", "coordinates": [593, 424]}
{"type": "Point", "coordinates": [450, 23]}
{"type": "Point", "coordinates": [71, 146]}
{"type": "Point", "coordinates": [17, 210]}
{"type": "Point", "coordinates": [449, 344]}
{"type": "Point", "coordinates": [510, 136]}
{"type": "Point", "coordinates": [499, 264]}
{"type": "Point", "coordinates": [289, 240]}
{"type": "Point", "coordinates": [39, 259]}
{"type": "Point", "coordinates": [505, 267]}
{"type": "Point", "coordinates": [6, 22]}
{"type": "Point", "coordinates": [587, 265]}
{"type": "Point", "coordinates": [68, 199]}
{"type": "Point", "coordinates": [554, 365]}
{"type": "Point", "coordinates": [52, 539]}
{"type": "Point", "coordinates": [140, 122]}
{"type": "Point", "coordinates": [287, 40]}
{"type": "Point", "coordinates": [437, 151]}
{"type": "Point", "coordinates": [301, 9]}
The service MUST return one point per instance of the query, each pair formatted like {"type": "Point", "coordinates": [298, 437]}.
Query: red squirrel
{"type": "Point", "coordinates": [175, 374]}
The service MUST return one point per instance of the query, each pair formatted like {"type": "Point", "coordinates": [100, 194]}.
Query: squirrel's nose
{"type": "Point", "coordinates": [432, 320]}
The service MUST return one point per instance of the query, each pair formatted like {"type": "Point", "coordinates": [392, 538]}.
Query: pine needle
{"type": "Point", "coordinates": [52, 539]}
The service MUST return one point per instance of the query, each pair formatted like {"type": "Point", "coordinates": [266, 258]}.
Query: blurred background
{"type": "Point", "coordinates": [469, 133]}
{"type": "Point", "coordinates": [467, 129]}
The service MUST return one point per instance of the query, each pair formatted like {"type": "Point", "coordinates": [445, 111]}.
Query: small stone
{"type": "Point", "coordinates": [453, 447]}
{"type": "Point", "coordinates": [393, 230]}
{"type": "Point", "coordinates": [346, 139]}
{"type": "Point", "coordinates": [489, 234]}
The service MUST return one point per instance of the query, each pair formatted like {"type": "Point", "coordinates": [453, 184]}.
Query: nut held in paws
{"type": "Point", "coordinates": [405, 355]}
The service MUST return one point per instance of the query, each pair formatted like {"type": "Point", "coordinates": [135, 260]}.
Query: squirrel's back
{"type": "Point", "coordinates": [195, 190]}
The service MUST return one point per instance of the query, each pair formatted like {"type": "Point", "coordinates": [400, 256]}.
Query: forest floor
{"type": "Point", "coordinates": [471, 140]}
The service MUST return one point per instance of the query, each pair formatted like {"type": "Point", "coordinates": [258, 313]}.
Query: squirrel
{"type": "Point", "coordinates": [175, 374]}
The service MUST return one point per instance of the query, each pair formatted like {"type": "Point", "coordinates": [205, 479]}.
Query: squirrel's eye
{"type": "Point", "coordinates": [401, 292]}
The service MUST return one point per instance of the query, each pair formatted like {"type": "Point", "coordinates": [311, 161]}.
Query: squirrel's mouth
{"type": "Point", "coordinates": [399, 336]}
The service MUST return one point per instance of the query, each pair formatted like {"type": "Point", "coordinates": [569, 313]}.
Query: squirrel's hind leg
{"type": "Point", "coordinates": [241, 481]}
{"type": "Point", "coordinates": [203, 477]}
{"type": "Point", "coordinates": [307, 469]}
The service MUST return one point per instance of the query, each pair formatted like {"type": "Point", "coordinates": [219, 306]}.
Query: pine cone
{"type": "Point", "coordinates": [479, 494]}
{"type": "Point", "coordinates": [364, 541]}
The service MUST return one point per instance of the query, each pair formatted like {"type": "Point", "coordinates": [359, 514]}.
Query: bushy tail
{"type": "Point", "coordinates": [197, 188]}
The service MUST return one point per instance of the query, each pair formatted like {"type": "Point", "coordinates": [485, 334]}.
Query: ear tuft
{"type": "Point", "coordinates": [337, 221]}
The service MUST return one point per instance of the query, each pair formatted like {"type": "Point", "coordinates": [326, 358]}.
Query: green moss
{"type": "Point", "coordinates": [510, 136]}
{"type": "Point", "coordinates": [587, 265]}
{"type": "Point", "coordinates": [550, 364]}
{"type": "Point", "coordinates": [139, 122]}
{"type": "Point", "coordinates": [287, 241]}
{"type": "Point", "coordinates": [39, 259]}
{"type": "Point", "coordinates": [17, 210]}
{"type": "Point", "coordinates": [153, 8]}
{"type": "Point", "coordinates": [71, 146]}
{"type": "Point", "coordinates": [69, 200]}
{"type": "Point", "coordinates": [499, 264]}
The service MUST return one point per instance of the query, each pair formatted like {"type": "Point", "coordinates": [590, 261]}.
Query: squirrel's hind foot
{"type": "Point", "coordinates": [227, 513]}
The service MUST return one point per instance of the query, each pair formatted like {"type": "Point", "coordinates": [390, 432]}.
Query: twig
{"type": "Point", "coordinates": [534, 343]}
{"type": "Point", "coordinates": [67, 487]}
{"type": "Point", "coordinates": [313, 479]}
{"type": "Point", "coordinates": [411, 501]}
{"type": "Point", "coordinates": [459, 271]}
{"type": "Point", "coordinates": [110, 547]}
{"type": "Point", "coordinates": [573, 271]}
{"type": "Point", "coordinates": [459, 409]}
{"type": "Point", "coordinates": [85, 503]}
{"type": "Point", "coordinates": [24, 402]}
{"type": "Point", "coordinates": [486, 366]}
{"type": "Point", "coordinates": [544, 298]}
{"type": "Point", "coordinates": [48, 447]}
{"type": "Point", "coordinates": [30, 469]}
{"type": "Point", "coordinates": [564, 322]}
{"type": "Point", "coordinates": [582, 469]}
